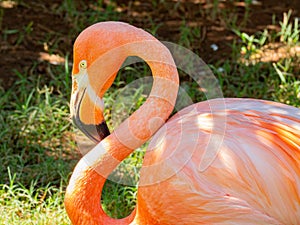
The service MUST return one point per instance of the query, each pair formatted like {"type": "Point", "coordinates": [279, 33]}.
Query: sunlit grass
{"type": "Point", "coordinates": [31, 205]}
{"type": "Point", "coordinates": [35, 152]}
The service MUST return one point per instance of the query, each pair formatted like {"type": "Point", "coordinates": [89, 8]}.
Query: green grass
{"type": "Point", "coordinates": [31, 205]}
{"type": "Point", "coordinates": [38, 151]}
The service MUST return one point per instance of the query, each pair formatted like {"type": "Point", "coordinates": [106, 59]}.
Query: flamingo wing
{"type": "Point", "coordinates": [253, 174]}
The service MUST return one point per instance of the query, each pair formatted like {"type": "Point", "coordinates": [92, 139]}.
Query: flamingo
{"type": "Point", "coordinates": [253, 177]}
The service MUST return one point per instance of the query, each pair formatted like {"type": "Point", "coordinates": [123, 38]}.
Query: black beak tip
{"type": "Point", "coordinates": [102, 130]}
{"type": "Point", "coordinates": [94, 132]}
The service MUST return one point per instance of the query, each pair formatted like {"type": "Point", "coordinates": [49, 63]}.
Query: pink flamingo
{"type": "Point", "coordinates": [254, 177]}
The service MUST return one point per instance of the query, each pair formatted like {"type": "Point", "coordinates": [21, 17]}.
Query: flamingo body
{"type": "Point", "coordinates": [222, 161]}
{"type": "Point", "coordinates": [254, 178]}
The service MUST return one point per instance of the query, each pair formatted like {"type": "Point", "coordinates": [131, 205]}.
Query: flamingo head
{"type": "Point", "coordinates": [87, 104]}
{"type": "Point", "coordinates": [97, 59]}
{"type": "Point", "coordinates": [99, 52]}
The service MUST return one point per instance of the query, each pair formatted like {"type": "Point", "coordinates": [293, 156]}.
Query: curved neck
{"type": "Point", "coordinates": [83, 194]}
{"type": "Point", "coordinates": [144, 122]}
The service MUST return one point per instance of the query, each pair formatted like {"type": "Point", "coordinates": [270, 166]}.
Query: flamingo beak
{"type": "Point", "coordinates": [94, 132]}
{"type": "Point", "coordinates": [87, 111]}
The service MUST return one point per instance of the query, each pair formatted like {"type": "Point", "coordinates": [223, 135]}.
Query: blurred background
{"type": "Point", "coordinates": [251, 46]}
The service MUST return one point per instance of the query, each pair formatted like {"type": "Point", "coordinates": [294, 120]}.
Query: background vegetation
{"type": "Point", "coordinates": [251, 57]}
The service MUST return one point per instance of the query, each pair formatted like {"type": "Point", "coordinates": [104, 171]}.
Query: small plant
{"type": "Point", "coordinates": [252, 43]}
{"type": "Point", "coordinates": [289, 32]}
{"type": "Point", "coordinates": [288, 35]}
{"type": "Point", "coordinates": [288, 88]}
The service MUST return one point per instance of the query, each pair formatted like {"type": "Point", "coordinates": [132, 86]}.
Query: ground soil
{"type": "Point", "coordinates": [33, 27]}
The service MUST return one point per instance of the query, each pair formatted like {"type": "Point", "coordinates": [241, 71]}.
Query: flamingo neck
{"type": "Point", "coordinates": [83, 194]}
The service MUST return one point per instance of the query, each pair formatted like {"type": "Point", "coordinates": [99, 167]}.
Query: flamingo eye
{"type": "Point", "coordinates": [83, 64]}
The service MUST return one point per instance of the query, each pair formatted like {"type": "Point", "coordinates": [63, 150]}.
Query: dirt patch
{"type": "Point", "coordinates": [26, 31]}
{"type": "Point", "coordinates": [43, 27]}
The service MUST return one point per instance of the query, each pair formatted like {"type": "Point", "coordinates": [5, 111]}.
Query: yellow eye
{"type": "Point", "coordinates": [83, 64]}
